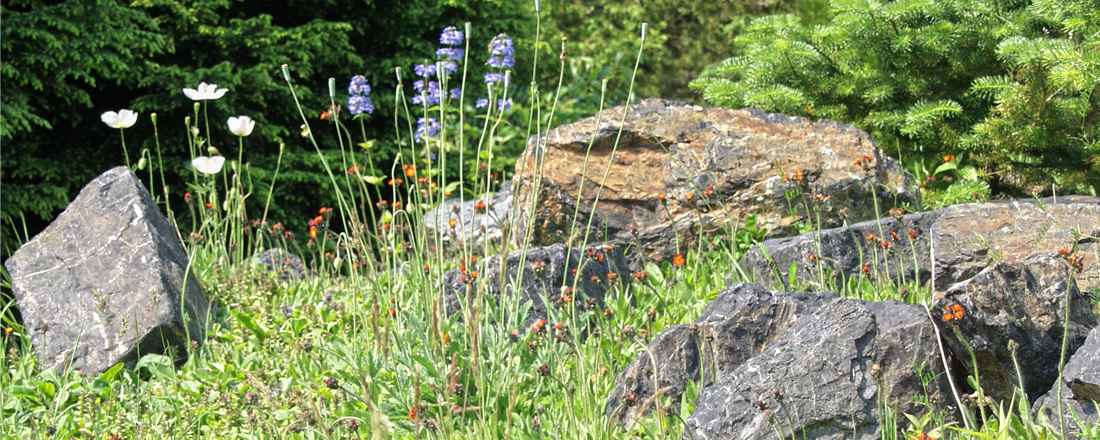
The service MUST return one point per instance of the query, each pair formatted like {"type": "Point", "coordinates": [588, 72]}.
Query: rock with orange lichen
{"type": "Point", "coordinates": [662, 172]}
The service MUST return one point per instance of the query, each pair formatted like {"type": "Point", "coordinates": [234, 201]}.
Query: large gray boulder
{"type": "Point", "coordinates": [833, 360]}
{"type": "Point", "coordinates": [1021, 304]}
{"type": "Point", "coordinates": [107, 281]}
{"type": "Point", "coordinates": [830, 375]}
{"type": "Point", "coordinates": [714, 167]}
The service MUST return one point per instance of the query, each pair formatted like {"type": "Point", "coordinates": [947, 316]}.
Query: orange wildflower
{"type": "Point", "coordinates": [678, 260]}
{"type": "Point", "coordinates": [953, 312]}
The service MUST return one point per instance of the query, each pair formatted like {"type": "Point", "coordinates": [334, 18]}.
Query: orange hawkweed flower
{"type": "Point", "coordinates": [678, 260]}
{"type": "Point", "coordinates": [452, 222]}
{"type": "Point", "coordinates": [661, 196]}
{"type": "Point", "coordinates": [953, 312]}
{"type": "Point", "coordinates": [949, 158]}
{"type": "Point", "coordinates": [687, 196]}
{"type": "Point", "coordinates": [612, 275]}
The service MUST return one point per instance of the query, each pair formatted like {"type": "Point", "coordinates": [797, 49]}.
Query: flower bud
{"type": "Point", "coordinates": [213, 151]}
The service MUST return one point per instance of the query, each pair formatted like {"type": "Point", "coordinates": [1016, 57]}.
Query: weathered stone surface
{"type": "Point", "coordinates": [476, 220]}
{"type": "Point", "coordinates": [826, 377]}
{"type": "Point", "coordinates": [682, 151]}
{"type": "Point", "coordinates": [844, 251]}
{"type": "Point", "coordinates": [544, 272]}
{"type": "Point", "coordinates": [285, 265]}
{"type": "Point", "coordinates": [1022, 302]}
{"type": "Point", "coordinates": [733, 328]}
{"type": "Point", "coordinates": [1081, 396]}
{"type": "Point", "coordinates": [966, 238]}
{"type": "Point", "coordinates": [748, 325]}
{"type": "Point", "coordinates": [102, 284]}
{"type": "Point", "coordinates": [959, 241]}
{"type": "Point", "coordinates": [1077, 413]}
{"type": "Point", "coordinates": [1082, 374]}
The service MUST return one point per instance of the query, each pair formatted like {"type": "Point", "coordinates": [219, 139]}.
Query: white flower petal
{"type": "Point", "coordinates": [109, 118]}
{"type": "Point", "coordinates": [208, 165]}
{"type": "Point", "coordinates": [127, 118]}
{"type": "Point", "coordinates": [122, 119]}
{"type": "Point", "coordinates": [205, 92]}
{"type": "Point", "coordinates": [241, 126]}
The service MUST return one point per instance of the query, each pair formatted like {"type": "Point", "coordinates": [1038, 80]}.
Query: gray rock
{"type": "Point", "coordinates": [285, 265]}
{"type": "Point", "coordinates": [540, 275]}
{"type": "Point", "coordinates": [967, 238]}
{"type": "Point", "coordinates": [1078, 414]}
{"type": "Point", "coordinates": [809, 343]}
{"type": "Point", "coordinates": [107, 281]}
{"type": "Point", "coordinates": [1022, 302]}
{"type": "Point", "coordinates": [1082, 374]}
{"type": "Point", "coordinates": [1082, 395]}
{"type": "Point", "coordinates": [473, 225]}
{"type": "Point", "coordinates": [751, 159]}
{"type": "Point", "coordinates": [734, 327]}
{"type": "Point", "coordinates": [841, 253]}
{"type": "Point", "coordinates": [827, 377]}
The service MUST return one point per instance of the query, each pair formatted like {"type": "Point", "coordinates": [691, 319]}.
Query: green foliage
{"type": "Point", "coordinates": [683, 37]}
{"type": "Point", "coordinates": [1014, 84]}
{"type": "Point", "coordinates": [55, 57]}
{"type": "Point", "coordinates": [67, 62]}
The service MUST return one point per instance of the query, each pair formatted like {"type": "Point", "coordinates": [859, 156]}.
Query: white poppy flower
{"type": "Point", "coordinates": [123, 119]}
{"type": "Point", "coordinates": [241, 126]}
{"type": "Point", "coordinates": [208, 165]}
{"type": "Point", "coordinates": [205, 92]}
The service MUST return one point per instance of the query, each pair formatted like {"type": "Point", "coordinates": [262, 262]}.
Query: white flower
{"type": "Point", "coordinates": [208, 165]}
{"type": "Point", "coordinates": [205, 92]}
{"type": "Point", "coordinates": [123, 119]}
{"type": "Point", "coordinates": [241, 126]}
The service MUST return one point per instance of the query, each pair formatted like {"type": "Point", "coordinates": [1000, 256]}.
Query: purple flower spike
{"type": "Point", "coordinates": [451, 36]}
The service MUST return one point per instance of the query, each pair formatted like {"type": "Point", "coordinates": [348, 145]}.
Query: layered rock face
{"type": "Point", "coordinates": [712, 166]}
{"type": "Point", "coordinates": [108, 281]}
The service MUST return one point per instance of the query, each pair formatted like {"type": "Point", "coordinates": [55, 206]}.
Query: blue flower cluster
{"type": "Point", "coordinates": [428, 92]}
{"type": "Point", "coordinates": [427, 128]}
{"type": "Point", "coordinates": [503, 104]}
{"type": "Point", "coordinates": [501, 51]}
{"type": "Point", "coordinates": [359, 96]}
{"type": "Point", "coordinates": [500, 57]}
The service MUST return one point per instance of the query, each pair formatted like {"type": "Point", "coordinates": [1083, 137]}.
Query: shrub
{"type": "Point", "coordinates": [1011, 84]}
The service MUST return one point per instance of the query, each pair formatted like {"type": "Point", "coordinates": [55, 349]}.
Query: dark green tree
{"type": "Point", "coordinates": [1011, 86]}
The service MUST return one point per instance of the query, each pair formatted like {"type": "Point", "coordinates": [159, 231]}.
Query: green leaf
{"type": "Point", "coordinates": [945, 167]}
{"type": "Point", "coordinates": [112, 373]}
{"type": "Point", "coordinates": [244, 317]}
{"type": "Point", "coordinates": [159, 365]}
